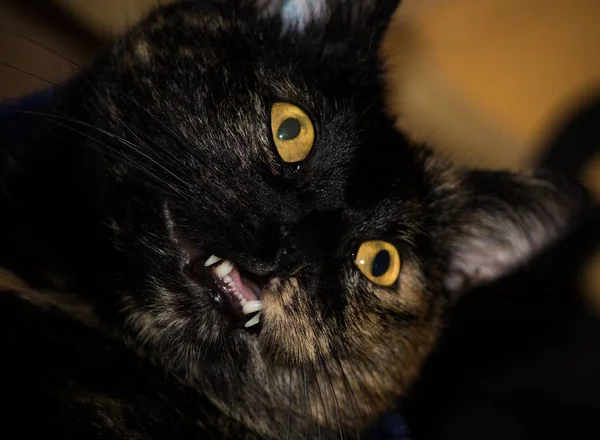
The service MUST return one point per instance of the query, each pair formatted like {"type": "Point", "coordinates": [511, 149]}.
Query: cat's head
{"type": "Point", "coordinates": [250, 167]}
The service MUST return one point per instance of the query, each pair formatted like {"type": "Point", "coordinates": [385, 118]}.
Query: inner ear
{"type": "Point", "coordinates": [507, 219]}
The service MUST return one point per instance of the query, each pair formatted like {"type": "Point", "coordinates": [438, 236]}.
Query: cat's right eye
{"type": "Point", "coordinates": [293, 132]}
{"type": "Point", "coordinates": [379, 261]}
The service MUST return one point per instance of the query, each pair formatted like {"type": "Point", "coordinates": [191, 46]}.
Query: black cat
{"type": "Point", "coordinates": [215, 231]}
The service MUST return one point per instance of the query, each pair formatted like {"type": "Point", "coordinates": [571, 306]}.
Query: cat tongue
{"type": "Point", "coordinates": [241, 286]}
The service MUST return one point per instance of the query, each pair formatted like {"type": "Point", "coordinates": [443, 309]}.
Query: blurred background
{"type": "Point", "coordinates": [485, 81]}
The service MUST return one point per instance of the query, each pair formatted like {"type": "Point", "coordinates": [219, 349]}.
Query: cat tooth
{"type": "Point", "coordinates": [251, 307]}
{"type": "Point", "coordinates": [212, 260]}
{"type": "Point", "coordinates": [253, 321]}
{"type": "Point", "coordinates": [224, 269]}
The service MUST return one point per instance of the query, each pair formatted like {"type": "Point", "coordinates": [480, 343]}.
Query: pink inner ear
{"type": "Point", "coordinates": [509, 219]}
{"type": "Point", "coordinates": [496, 244]}
{"type": "Point", "coordinates": [478, 261]}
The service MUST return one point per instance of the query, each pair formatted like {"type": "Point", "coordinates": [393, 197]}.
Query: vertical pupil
{"type": "Point", "coordinates": [381, 263]}
{"type": "Point", "coordinates": [289, 129]}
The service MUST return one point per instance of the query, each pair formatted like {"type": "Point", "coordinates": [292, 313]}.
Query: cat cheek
{"type": "Point", "coordinates": [408, 296]}
{"type": "Point", "coordinates": [391, 330]}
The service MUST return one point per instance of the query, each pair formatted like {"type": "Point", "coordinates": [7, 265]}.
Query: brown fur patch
{"type": "Point", "coordinates": [292, 316]}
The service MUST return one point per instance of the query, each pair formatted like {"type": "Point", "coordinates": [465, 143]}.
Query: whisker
{"type": "Point", "coordinates": [305, 402]}
{"type": "Point", "coordinates": [175, 162]}
{"type": "Point", "coordinates": [116, 154]}
{"type": "Point", "coordinates": [371, 41]}
{"type": "Point", "coordinates": [168, 130]}
{"type": "Point", "coordinates": [320, 394]}
{"type": "Point", "coordinates": [8, 98]}
{"type": "Point", "coordinates": [43, 46]}
{"type": "Point", "coordinates": [73, 63]}
{"type": "Point", "coordinates": [50, 117]}
{"type": "Point", "coordinates": [350, 390]}
{"type": "Point", "coordinates": [334, 395]}
{"type": "Point", "coordinates": [109, 154]}
{"type": "Point", "coordinates": [287, 429]}
{"type": "Point", "coordinates": [33, 75]}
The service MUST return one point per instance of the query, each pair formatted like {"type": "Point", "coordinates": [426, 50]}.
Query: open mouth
{"type": "Point", "coordinates": [242, 294]}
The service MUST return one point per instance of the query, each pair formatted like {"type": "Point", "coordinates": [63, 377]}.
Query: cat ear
{"type": "Point", "coordinates": [301, 15]}
{"type": "Point", "coordinates": [507, 220]}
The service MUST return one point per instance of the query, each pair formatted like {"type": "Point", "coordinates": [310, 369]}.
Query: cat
{"type": "Point", "coordinates": [216, 231]}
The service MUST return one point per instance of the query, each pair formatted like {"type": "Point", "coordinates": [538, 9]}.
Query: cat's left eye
{"type": "Point", "coordinates": [379, 261]}
{"type": "Point", "coordinates": [293, 132]}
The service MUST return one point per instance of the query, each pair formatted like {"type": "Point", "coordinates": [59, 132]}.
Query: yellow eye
{"type": "Point", "coordinates": [379, 261]}
{"type": "Point", "coordinates": [292, 130]}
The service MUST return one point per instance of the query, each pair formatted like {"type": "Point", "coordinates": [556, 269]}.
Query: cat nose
{"type": "Point", "coordinates": [288, 264]}
{"type": "Point", "coordinates": [276, 256]}
{"type": "Point", "coordinates": [288, 261]}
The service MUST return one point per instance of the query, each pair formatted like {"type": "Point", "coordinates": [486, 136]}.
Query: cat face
{"type": "Point", "coordinates": [277, 244]}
